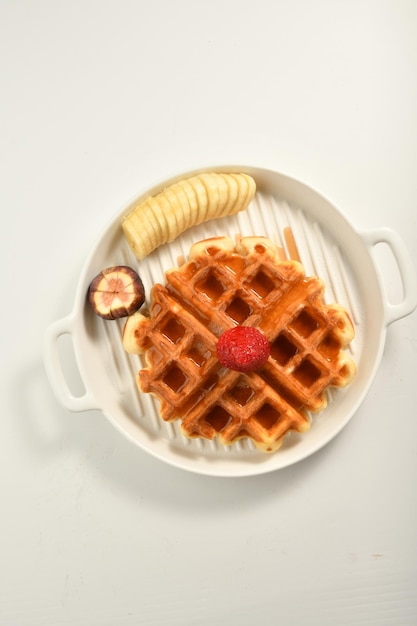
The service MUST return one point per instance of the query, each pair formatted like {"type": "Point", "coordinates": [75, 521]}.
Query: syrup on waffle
{"type": "Point", "coordinates": [224, 284]}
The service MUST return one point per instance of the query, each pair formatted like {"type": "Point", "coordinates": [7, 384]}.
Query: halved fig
{"type": "Point", "coordinates": [116, 292]}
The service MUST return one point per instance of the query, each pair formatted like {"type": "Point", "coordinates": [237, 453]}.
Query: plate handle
{"type": "Point", "coordinates": [406, 270]}
{"type": "Point", "coordinates": [55, 373]}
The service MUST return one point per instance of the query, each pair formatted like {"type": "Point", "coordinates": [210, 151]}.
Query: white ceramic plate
{"type": "Point", "coordinates": [329, 247]}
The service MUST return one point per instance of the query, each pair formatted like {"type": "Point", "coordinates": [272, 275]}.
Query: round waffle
{"type": "Point", "coordinates": [224, 284]}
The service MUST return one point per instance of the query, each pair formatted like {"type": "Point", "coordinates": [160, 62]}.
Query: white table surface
{"type": "Point", "coordinates": [98, 99]}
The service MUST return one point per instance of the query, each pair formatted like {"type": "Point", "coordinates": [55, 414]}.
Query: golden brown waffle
{"type": "Point", "coordinates": [224, 284]}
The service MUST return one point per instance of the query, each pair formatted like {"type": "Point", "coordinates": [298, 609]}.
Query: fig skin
{"type": "Point", "coordinates": [116, 292]}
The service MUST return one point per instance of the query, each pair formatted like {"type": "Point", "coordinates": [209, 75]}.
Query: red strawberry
{"type": "Point", "coordinates": [243, 349]}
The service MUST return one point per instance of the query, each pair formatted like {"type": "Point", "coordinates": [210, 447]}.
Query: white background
{"type": "Point", "coordinates": [98, 100]}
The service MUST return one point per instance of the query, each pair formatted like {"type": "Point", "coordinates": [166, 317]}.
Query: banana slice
{"type": "Point", "coordinates": [157, 221]}
{"type": "Point", "coordinates": [140, 231]}
{"type": "Point", "coordinates": [154, 221]}
{"type": "Point", "coordinates": [189, 202]}
{"type": "Point", "coordinates": [212, 187]}
{"type": "Point", "coordinates": [233, 191]}
{"type": "Point", "coordinates": [200, 215]}
{"type": "Point", "coordinates": [224, 193]}
{"type": "Point", "coordinates": [164, 217]}
{"type": "Point", "coordinates": [172, 208]}
{"type": "Point", "coordinates": [129, 334]}
{"type": "Point", "coordinates": [242, 194]}
{"type": "Point", "coordinates": [135, 234]}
